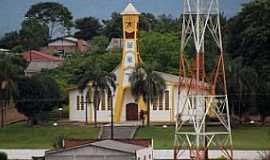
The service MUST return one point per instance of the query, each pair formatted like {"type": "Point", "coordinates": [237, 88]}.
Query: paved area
{"type": "Point", "coordinates": [125, 130]}
{"type": "Point", "coordinates": [128, 123]}
{"type": "Point", "coordinates": [27, 154]}
{"type": "Point", "coordinates": [120, 132]}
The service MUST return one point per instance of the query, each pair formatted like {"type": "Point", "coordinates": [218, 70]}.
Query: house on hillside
{"type": "Point", "coordinates": [128, 149]}
{"type": "Point", "coordinates": [67, 45]}
{"type": "Point", "coordinates": [125, 107]}
{"type": "Point", "coordinates": [38, 61]}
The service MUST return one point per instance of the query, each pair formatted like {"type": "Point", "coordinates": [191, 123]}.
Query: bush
{"type": "Point", "coordinates": [3, 156]}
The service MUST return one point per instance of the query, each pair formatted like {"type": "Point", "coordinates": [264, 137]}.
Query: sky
{"type": "Point", "coordinates": [12, 11]}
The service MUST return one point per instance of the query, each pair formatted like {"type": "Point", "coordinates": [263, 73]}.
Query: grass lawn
{"type": "Point", "coordinates": [245, 137]}
{"type": "Point", "coordinates": [21, 136]}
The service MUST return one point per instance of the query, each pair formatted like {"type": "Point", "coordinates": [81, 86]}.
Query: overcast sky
{"type": "Point", "coordinates": [12, 11]}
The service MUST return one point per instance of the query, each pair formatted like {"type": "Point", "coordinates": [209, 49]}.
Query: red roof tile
{"type": "Point", "coordinates": [34, 55]}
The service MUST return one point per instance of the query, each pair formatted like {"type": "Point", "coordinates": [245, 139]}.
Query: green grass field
{"type": "Point", "coordinates": [243, 137]}
{"type": "Point", "coordinates": [21, 136]}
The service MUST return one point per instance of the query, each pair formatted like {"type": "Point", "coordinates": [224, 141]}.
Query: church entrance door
{"type": "Point", "coordinates": [132, 112]}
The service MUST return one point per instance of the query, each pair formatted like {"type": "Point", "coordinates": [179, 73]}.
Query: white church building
{"type": "Point", "coordinates": [125, 108]}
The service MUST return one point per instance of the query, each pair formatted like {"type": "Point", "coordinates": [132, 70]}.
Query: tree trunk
{"type": "Point", "coordinates": [263, 119]}
{"type": "Point", "coordinates": [148, 113]}
{"type": "Point", "coordinates": [239, 102]}
{"type": "Point", "coordinates": [95, 116]}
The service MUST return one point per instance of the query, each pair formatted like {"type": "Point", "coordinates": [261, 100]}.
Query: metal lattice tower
{"type": "Point", "coordinates": [203, 119]}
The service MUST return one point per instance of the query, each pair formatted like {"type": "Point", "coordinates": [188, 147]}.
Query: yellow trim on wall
{"type": "Point", "coordinates": [120, 91]}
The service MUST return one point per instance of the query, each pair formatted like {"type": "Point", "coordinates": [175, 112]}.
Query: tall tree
{"type": "Point", "coordinates": [147, 84]}
{"type": "Point", "coordinates": [88, 27]}
{"type": "Point", "coordinates": [8, 89]}
{"type": "Point", "coordinates": [113, 26]}
{"type": "Point", "coordinates": [33, 34]}
{"type": "Point", "coordinates": [147, 22]}
{"type": "Point", "coordinates": [249, 37]}
{"type": "Point", "coordinates": [37, 96]}
{"type": "Point", "coordinates": [10, 40]}
{"type": "Point", "coordinates": [162, 49]}
{"type": "Point", "coordinates": [99, 44]}
{"type": "Point", "coordinates": [242, 85]}
{"type": "Point", "coordinates": [250, 34]}
{"type": "Point", "coordinates": [167, 24]}
{"type": "Point", "coordinates": [101, 81]}
{"type": "Point", "coordinates": [54, 15]}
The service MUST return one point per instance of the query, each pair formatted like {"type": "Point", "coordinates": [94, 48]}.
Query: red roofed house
{"type": "Point", "coordinates": [39, 61]}
{"type": "Point", "coordinates": [68, 44]}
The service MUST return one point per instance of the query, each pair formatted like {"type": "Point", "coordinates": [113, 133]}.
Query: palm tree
{"type": "Point", "coordinates": [101, 81]}
{"type": "Point", "coordinates": [7, 85]}
{"type": "Point", "coordinates": [147, 84]}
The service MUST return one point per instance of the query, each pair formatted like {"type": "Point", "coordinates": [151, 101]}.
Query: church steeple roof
{"type": "Point", "coordinates": [130, 10]}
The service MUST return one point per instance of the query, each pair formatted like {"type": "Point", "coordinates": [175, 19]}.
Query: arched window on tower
{"type": "Point", "coordinates": [130, 35]}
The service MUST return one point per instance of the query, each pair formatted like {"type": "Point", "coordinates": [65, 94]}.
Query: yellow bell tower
{"type": "Point", "coordinates": [130, 56]}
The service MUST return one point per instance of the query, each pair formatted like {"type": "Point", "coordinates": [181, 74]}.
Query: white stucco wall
{"type": "Point", "coordinates": [163, 115]}
{"type": "Point", "coordinates": [79, 115]}
{"type": "Point", "coordinates": [155, 115]}
{"type": "Point", "coordinates": [146, 152]}
{"type": "Point", "coordinates": [74, 114]}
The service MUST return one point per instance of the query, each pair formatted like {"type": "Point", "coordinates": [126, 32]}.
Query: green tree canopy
{"type": "Point", "coordinates": [147, 84]}
{"type": "Point", "coordinates": [10, 40]}
{"type": "Point", "coordinates": [250, 34]}
{"type": "Point", "coordinates": [147, 22]}
{"type": "Point", "coordinates": [37, 96]}
{"type": "Point", "coordinates": [113, 26]}
{"type": "Point", "coordinates": [99, 44]}
{"type": "Point", "coordinates": [33, 34]}
{"type": "Point", "coordinates": [248, 39]}
{"type": "Point", "coordinates": [161, 50]}
{"type": "Point", "coordinates": [52, 14]}
{"type": "Point", "coordinates": [88, 27]}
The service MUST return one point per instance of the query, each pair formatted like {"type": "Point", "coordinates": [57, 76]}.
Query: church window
{"type": "Point", "coordinates": [109, 100]}
{"type": "Point", "coordinates": [160, 103]}
{"type": "Point", "coordinates": [78, 103]}
{"type": "Point", "coordinates": [103, 101]}
{"type": "Point", "coordinates": [82, 102]}
{"type": "Point", "coordinates": [155, 103]}
{"type": "Point", "coordinates": [167, 100]}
